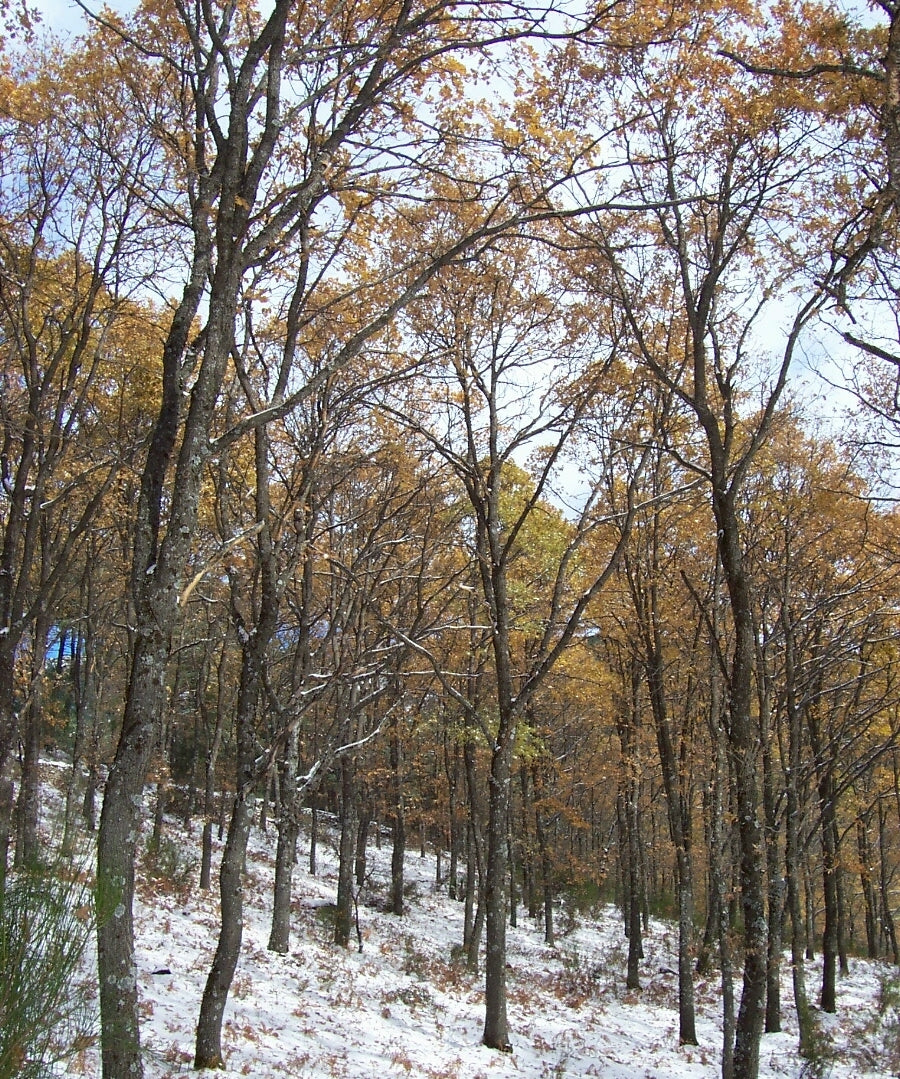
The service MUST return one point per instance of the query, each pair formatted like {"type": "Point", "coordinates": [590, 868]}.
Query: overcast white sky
{"type": "Point", "coordinates": [66, 17]}
{"type": "Point", "coordinates": [60, 16]}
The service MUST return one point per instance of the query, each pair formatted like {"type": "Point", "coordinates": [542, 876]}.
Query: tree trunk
{"type": "Point", "coordinates": [451, 764]}
{"type": "Point", "coordinates": [474, 901]}
{"type": "Point", "coordinates": [212, 758]}
{"type": "Point", "coordinates": [313, 836]}
{"type": "Point", "coordinates": [208, 1052]}
{"type": "Point", "coordinates": [343, 915]}
{"type": "Point", "coordinates": [29, 802]}
{"type": "Point", "coordinates": [526, 846]}
{"type": "Point", "coordinates": [828, 998]}
{"type": "Point", "coordinates": [286, 852]}
{"type": "Point", "coordinates": [398, 849]}
{"type": "Point", "coordinates": [8, 714]}
{"type": "Point", "coordinates": [743, 742]}
{"type": "Point", "coordinates": [496, 1026]}
{"type": "Point", "coordinates": [629, 822]}
{"type": "Point", "coordinates": [718, 860]}
{"type": "Point", "coordinates": [513, 882]}
{"type": "Point", "coordinates": [635, 946]}
{"type": "Point", "coordinates": [89, 802]}
{"type": "Point", "coordinates": [231, 890]}
{"type": "Point", "coordinates": [679, 819]}
{"type": "Point", "coordinates": [843, 963]}
{"type": "Point", "coordinates": [864, 853]}
{"type": "Point", "coordinates": [809, 902]}
{"type": "Point", "coordinates": [775, 900]}
{"type": "Point", "coordinates": [209, 793]}
{"type": "Point", "coordinates": [264, 804]}
{"type": "Point", "coordinates": [120, 828]}
{"type": "Point", "coordinates": [82, 690]}
{"type": "Point", "coordinates": [255, 614]}
{"type": "Point", "coordinates": [543, 854]}
{"type": "Point", "coordinates": [6, 806]}
{"type": "Point", "coordinates": [471, 887]}
{"type": "Point", "coordinates": [711, 922]}
{"type": "Point", "coordinates": [887, 916]}
{"type": "Point", "coordinates": [792, 845]}
{"type": "Point", "coordinates": [362, 839]}
{"type": "Point", "coordinates": [798, 932]}
{"type": "Point", "coordinates": [475, 871]}
{"type": "Point", "coordinates": [473, 946]}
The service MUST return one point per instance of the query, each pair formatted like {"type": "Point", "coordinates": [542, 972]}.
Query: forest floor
{"type": "Point", "coordinates": [405, 1006]}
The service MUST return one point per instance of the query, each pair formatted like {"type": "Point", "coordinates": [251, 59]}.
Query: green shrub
{"type": "Point", "coordinates": [47, 1012]}
{"type": "Point", "coordinates": [886, 1024]}
{"type": "Point", "coordinates": [586, 896]}
{"type": "Point", "coordinates": [818, 1052]}
{"type": "Point", "coordinates": [325, 915]}
{"type": "Point", "coordinates": [168, 869]}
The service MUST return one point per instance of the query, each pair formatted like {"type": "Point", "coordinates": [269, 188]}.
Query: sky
{"type": "Point", "coordinates": [66, 17]}
{"type": "Point", "coordinates": [825, 400]}
{"type": "Point", "coordinates": [60, 16]}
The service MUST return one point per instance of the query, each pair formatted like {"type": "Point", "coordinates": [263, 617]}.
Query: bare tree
{"type": "Point", "coordinates": [290, 135]}
{"type": "Point", "coordinates": [508, 382]}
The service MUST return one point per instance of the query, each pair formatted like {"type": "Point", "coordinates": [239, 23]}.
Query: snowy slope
{"type": "Point", "coordinates": [406, 1007]}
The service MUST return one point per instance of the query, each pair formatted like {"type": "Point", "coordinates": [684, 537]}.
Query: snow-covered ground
{"type": "Point", "coordinates": [406, 1006]}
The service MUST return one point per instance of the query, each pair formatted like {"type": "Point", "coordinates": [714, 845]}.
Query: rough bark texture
{"type": "Point", "coordinates": [8, 718]}
{"type": "Point", "coordinates": [473, 917]}
{"type": "Point", "coordinates": [208, 1051]}
{"type": "Point", "coordinates": [343, 915]}
{"type": "Point", "coordinates": [209, 784]}
{"type": "Point", "coordinates": [362, 842]}
{"type": "Point", "coordinates": [120, 824]}
{"type": "Point", "coordinates": [313, 837]}
{"type": "Point", "coordinates": [828, 997]}
{"type": "Point", "coordinates": [633, 908]}
{"type": "Point", "coordinates": [889, 929]}
{"type": "Point", "coordinates": [255, 614]}
{"type": "Point", "coordinates": [159, 563]}
{"type": "Point", "coordinates": [496, 1026]}
{"type": "Point", "coordinates": [286, 852]}
{"type": "Point", "coordinates": [679, 820]}
{"type": "Point", "coordinates": [398, 850]}
{"type": "Point", "coordinates": [775, 897]}
{"type": "Point", "coordinates": [792, 845]}
{"type": "Point", "coordinates": [718, 860]}
{"type": "Point", "coordinates": [29, 801]}
{"type": "Point", "coordinates": [828, 831]}
{"type": "Point", "coordinates": [6, 805]}
{"type": "Point", "coordinates": [629, 825]}
{"type": "Point", "coordinates": [451, 765]}
{"type": "Point", "coordinates": [744, 745]}
{"type": "Point", "coordinates": [544, 856]}
{"type": "Point", "coordinates": [864, 853]}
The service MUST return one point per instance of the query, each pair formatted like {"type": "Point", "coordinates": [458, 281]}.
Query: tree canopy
{"type": "Point", "coordinates": [401, 412]}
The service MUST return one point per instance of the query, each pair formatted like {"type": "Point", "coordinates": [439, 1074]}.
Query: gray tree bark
{"type": "Point", "coordinates": [286, 851]}
{"type": "Point", "coordinates": [343, 915]}
{"type": "Point", "coordinates": [208, 1049]}
{"type": "Point", "coordinates": [398, 820]}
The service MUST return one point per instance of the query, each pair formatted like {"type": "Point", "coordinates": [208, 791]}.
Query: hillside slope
{"type": "Point", "coordinates": [405, 1006]}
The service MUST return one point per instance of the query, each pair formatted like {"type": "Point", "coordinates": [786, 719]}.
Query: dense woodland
{"type": "Point", "coordinates": [476, 421]}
